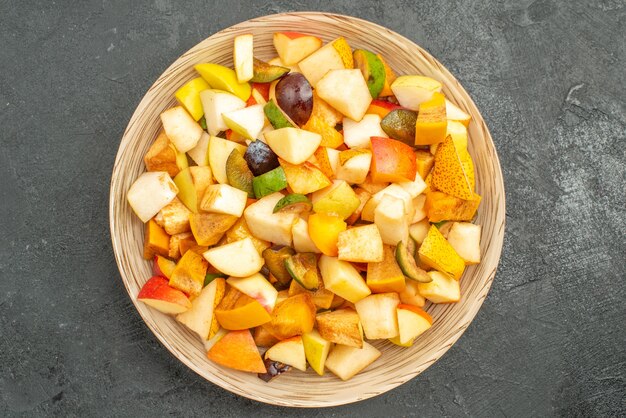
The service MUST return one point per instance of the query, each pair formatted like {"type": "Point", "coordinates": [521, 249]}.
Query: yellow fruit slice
{"type": "Point", "coordinates": [431, 124]}
{"type": "Point", "coordinates": [345, 52]}
{"type": "Point", "coordinates": [390, 77]}
{"type": "Point", "coordinates": [189, 96]}
{"type": "Point", "coordinates": [468, 167]}
{"type": "Point", "coordinates": [449, 174]}
{"type": "Point", "coordinates": [349, 153]}
{"type": "Point", "coordinates": [437, 253]}
{"type": "Point", "coordinates": [330, 136]}
{"type": "Point", "coordinates": [440, 206]}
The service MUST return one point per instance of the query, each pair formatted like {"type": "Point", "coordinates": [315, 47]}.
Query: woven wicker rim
{"type": "Point", "coordinates": [397, 365]}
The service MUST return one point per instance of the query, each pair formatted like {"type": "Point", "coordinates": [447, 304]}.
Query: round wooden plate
{"type": "Point", "coordinates": [397, 365]}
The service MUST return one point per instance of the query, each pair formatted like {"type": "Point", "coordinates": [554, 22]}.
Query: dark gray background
{"type": "Point", "coordinates": [548, 77]}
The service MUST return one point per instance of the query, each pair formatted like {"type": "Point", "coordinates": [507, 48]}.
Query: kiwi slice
{"type": "Point", "coordinates": [373, 70]}
{"type": "Point", "coordinates": [238, 173]}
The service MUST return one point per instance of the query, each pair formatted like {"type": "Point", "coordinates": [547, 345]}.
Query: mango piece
{"type": "Point", "coordinates": [437, 253]}
{"type": "Point", "coordinates": [431, 124]}
{"type": "Point", "coordinates": [330, 136]}
{"type": "Point", "coordinates": [293, 316]}
{"type": "Point", "coordinates": [324, 232]}
{"type": "Point", "coordinates": [238, 311]}
{"type": "Point", "coordinates": [208, 228]}
{"type": "Point", "coordinates": [424, 161]}
{"type": "Point", "coordinates": [156, 241]}
{"type": "Point", "coordinates": [449, 175]}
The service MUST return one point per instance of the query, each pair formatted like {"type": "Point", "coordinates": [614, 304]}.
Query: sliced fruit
{"type": "Point", "coordinates": [192, 183]}
{"type": "Point", "coordinates": [293, 203]}
{"type": "Point", "coordinates": [247, 122]}
{"type": "Point", "coordinates": [325, 112]}
{"type": "Point", "coordinates": [243, 56]}
{"type": "Point", "coordinates": [334, 55]}
{"type": "Point", "coordinates": [354, 164]}
{"type": "Point", "coordinates": [262, 338]}
{"type": "Point", "coordinates": [260, 158]}
{"type": "Point", "coordinates": [257, 287]}
{"type": "Point", "coordinates": [290, 352]}
{"type": "Point", "coordinates": [343, 279]}
{"type": "Point", "coordinates": [240, 231]}
{"type": "Point", "coordinates": [442, 288]}
{"type": "Point", "coordinates": [189, 273]}
{"type": "Point", "coordinates": [200, 153]}
{"type": "Point", "coordinates": [449, 175]}
{"type": "Point", "coordinates": [150, 193]}
{"type": "Point", "coordinates": [237, 350]}
{"type": "Point", "coordinates": [189, 96]}
{"type": "Point", "coordinates": [215, 103]}
{"type": "Point", "coordinates": [392, 221]}
{"type": "Point", "coordinates": [424, 161]}
{"type": "Point", "coordinates": [302, 267]}
{"type": "Point", "coordinates": [276, 116]}
{"type": "Point", "coordinates": [162, 267]}
{"type": "Point", "coordinates": [293, 145]}
{"type": "Point", "coordinates": [386, 275]}
{"type": "Point", "coordinates": [292, 47]}
{"type": "Point", "coordinates": [453, 112]}
{"type": "Point", "coordinates": [302, 241]}
{"type": "Point", "coordinates": [437, 253]}
{"type": "Point", "coordinates": [357, 134]}
{"type": "Point", "coordinates": [219, 151]}
{"type": "Point", "coordinates": [411, 295]}
{"type": "Point", "coordinates": [369, 210]}
{"type": "Point", "coordinates": [419, 230]}
{"type": "Point", "coordinates": [267, 225]}
{"type": "Point", "coordinates": [275, 261]}
{"type": "Point", "coordinates": [239, 258]}
{"type": "Point", "coordinates": [324, 232]}
{"type": "Point", "coordinates": [293, 316]}
{"type": "Point", "coordinates": [390, 77]}
{"type": "Point", "coordinates": [322, 298]}
{"type": "Point", "coordinates": [181, 128]}
{"type": "Point", "coordinates": [208, 228]}
{"type": "Point", "coordinates": [381, 108]}
{"type": "Point", "coordinates": [361, 244]}
{"type": "Point", "coordinates": [330, 136]}
{"type": "Point", "coordinates": [173, 251]}
{"type": "Point", "coordinates": [225, 199]}
{"type": "Point", "coordinates": [363, 196]}
{"type": "Point", "coordinates": [174, 217]}
{"type": "Point", "coordinates": [431, 124]}
{"type": "Point", "coordinates": [412, 90]}
{"type": "Point", "coordinates": [406, 261]}
{"type": "Point", "coordinates": [238, 174]}
{"type": "Point", "coordinates": [157, 293]}
{"type": "Point", "coordinates": [270, 182]}
{"type": "Point", "coordinates": [400, 124]}
{"type": "Point", "coordinates": [346, 91]}
{"type": "Point", "coordinates": [372, 69]}
{"type": "Point", "coordinates": [345, 361]}
{"type": "Point", "coordinates": [412, 322]}
{"type": "Point", "coordinates": [199, 318]}
{"type": "Point", "coordinates": [378, 315]}
{"type": "Point", "coordinates": [392, 160]}
{"type": "Point", "coordinates": [441, 206]}
{"type": "Point", "coordinates": [304, 178]}
{"type": "Point", "coordinates": [239, 311]}
{"type": "Point", "coordinates": [465, 239]}
{"type": "Point", "coordinates": [420, 211]}
{"type": "Point", "coordinates": [316, 350]}
{"type": "Point", "coordinates": [163, 156]}
{"type": "Point", "coordinates": [341, 326]}
{"type": "Point", "coordinates": [294, 96]}
{"type": "Point", "coordinates": [337, 199]}
{"type": "Point", "coordinates": [266, 73]}
{"type": "Point", "coordinates": [223, 78]}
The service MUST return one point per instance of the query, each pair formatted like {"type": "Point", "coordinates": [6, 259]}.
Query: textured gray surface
{"type": "Point", "coordinates": [548, 77]}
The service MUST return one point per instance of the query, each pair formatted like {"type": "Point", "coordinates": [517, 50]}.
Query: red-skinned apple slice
{"type": "Point", "coordinates": [158, 294]}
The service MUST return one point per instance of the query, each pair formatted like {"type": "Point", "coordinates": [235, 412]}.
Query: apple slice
{"type": "Point", "coordinates": [293, 145]}
{"type": "Point", "coordinates": [223, 78]}
{"type": "Point", "coordinates": [189, 96]}
{"type": "Point", "coordinates": [222, 198]}
{"type": "Point", "coordinates": [243, 56]}
{"type": "Point", "coordinates": [163, 156]}
{"type": "Point", "coordinates": [392, 220]}
{"type": "Point", "coordinates": [453, 112]}
{"type": "Point", "coordinates": [442, 288]}
{"type": "Point", "coordinates": [267, 225]}
{"type": "Point", "coordinates": [238, 351]}
{"type": "Point", "coordinates": [341, 326]}
{"type": "Point", "coordinates": [199, 318]}
{"type": "Point", "coordinates": [343, 279]}
{"type": "Point", "coordinates": [150, 193]}
{"type": "Point", "coordinates": [337, 199]}
{"type": "Point", "coordinates": [361, 244]}
{"type": "Point", "coordinates": [393, 190]}
{"type": "Point", "coordinates": [464, 237]}
{"type": "Point", "coordinates": [257, 287]}
{"type": "Point", "coordinates": [335, 55]}
{"type": "Point", "coordinates": [358, 134]}
{"type": "Point", "coordinates": [219, 150]}
{"type": "Point", "coordinates": [411, 295]}
{"type": "Point", "coordinates": [345, 361]}
{"type": "Point", "coordinates": [200, 153]}
{"type": "Point", "coordinates": [419, 230]}
{"type": "Point", "coordinates": [157, 293]}
{"type": "Point", "coordinates": [355, 167]}
{"type": "Point", "coordinates": [346, 91]}
{"type": "Point", "coordinates": [181, 128]}
{"type": "Point", "coordinates": [215, 103]}
{"type": "Point", "coordinates": [412, 90]}
{"type": "Point", "coordinates": [304, 178]}
{"type": "Point", "coordinates": [302, 242]}
{"type": "Point", "coordinates": [412, 322]}
{"type": "Point", "coordinates": [292, 47]}
{"type": "Point", "coordinates": [247, 122]}
{"type": "Point", "coordinates": [378, 315]}
{"type": "Point", "coordinates": [316, 350]}
{"type": "Point", "coordinates": [290, 352]}
{"type": "Point", "coordinates": [239, 259]}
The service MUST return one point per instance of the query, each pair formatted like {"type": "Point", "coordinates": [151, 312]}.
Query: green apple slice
{"type": "Point", "coordinates": [316, 350]}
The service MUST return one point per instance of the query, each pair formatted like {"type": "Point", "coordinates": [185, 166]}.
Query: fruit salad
{"type": "Point", "coordinates": [300, 208]}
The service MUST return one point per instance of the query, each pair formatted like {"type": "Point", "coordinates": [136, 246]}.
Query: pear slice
{"type": "Point", "coordinates": [316, 350]}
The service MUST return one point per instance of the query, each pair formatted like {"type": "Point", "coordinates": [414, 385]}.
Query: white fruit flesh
{"type": "Point", "coordinates": [453, 112]}
{"type": "Point", "coordinates": [222, 198]}
{"type": "Point", "coordinates": [243, 56]}
{"type": "Point", "coordinates": [465, 239]}
{"type": "Point", "coordinates": [358, 134]}
{"type": "Point", "coordinates": [257, 287]}
{"type": "Point", "coordinates": [247, 122]}
{"type": "Point", "coordinates": [343, 279]}
{"type": "Point", "coordinates": [354, 170]}
{"type": "Point", "coordinates": [391, 219]}
{"type": "Point", "coordinates": [150, 193]}
{"type": "Point", "coordinates": [219, 150]}
{"type": "Point", "coordinates": [345, 361]}
{"type": "Point", "coordinates": [200, 316]}
{"type": "Point", "coordinates": [292, 144]}
{"type": "Point", "coordinates": [164, 306]}
{"type": "Point", "coordinates": [442, 289]}
{"type": "Point", "coordinates": [216, 102]}
{"type": "Point", "coordinates": [316, 65]}
{"type": "Point", "coordinates": [411, 295]}
{"type": "Point", "coordinates": [181, 128]}
{"type": "Point", "coordinates": [200, 153]}
{"type": "Point", "coordinates": [419, 230]}
{"type": "Point", "coordinates": [293, 50]}
{"type": "Point", "coordinates": [412, 90]}
{"type": "Point", "coordinates": [290, 351]}
{"type": "Point", "coordinates": [346, 91]}
{"type": "Point", "coordinates": [239, 259]}
{"type": "Point", "coordinates": [267, 225]}
{"type": "Point", "coordinates": [302, 242]}
{"type": "Point", "coordinates": [378, 315]}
